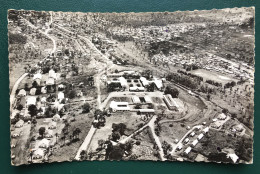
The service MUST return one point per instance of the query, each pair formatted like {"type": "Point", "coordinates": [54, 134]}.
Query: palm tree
{"type": "Point", "coordinates": [56, 135]}
{"type": "Point", "coordinates": [31, 155]}
{"type": "Point", "coordinates": [78, 131]}
{"type": "Point", "coordinates": [63, 139]}
{"type": "Point", "coordinates": [82, 154]}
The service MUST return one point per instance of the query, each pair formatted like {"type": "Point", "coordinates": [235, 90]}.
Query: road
{"type": "Point", "coordinates": [97, 77]}
{"type": "Point", "coordinates": [150, 124]}
{"type": "Point", "coordinates": [156, 138]}
{"type": "Point", "coordinates": [16, 85]}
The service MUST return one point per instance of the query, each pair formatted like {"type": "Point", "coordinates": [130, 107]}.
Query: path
{"type": "Point", "coordinates": [156, 138]}
{"type": "Point", "coordinates": [16, 85]}
{"type": "Point", "coordinates": [87, 140]}
{"type": "Point", "coordinates": [150, 124]}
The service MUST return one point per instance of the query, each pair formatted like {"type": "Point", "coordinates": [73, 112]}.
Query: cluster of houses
{"type": "Point", "coordinates": [187, 140]}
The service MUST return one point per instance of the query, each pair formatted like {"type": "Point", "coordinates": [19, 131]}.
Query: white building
{"type": "Point", "coordinates": [119, 106]}
{"type": "Point", "coordinates": [60, 96]}
{"type": "Point", "coordinates": [187, 151]}
{"type": "Point", "coordinates": [147, 99]}
{"type": "Point", "coordinates": [31, 101]}
{"type": "Point", "coordinates": [136, 99]}
{"type": "Point", "coordinates": [200, 136]}
{"type": "Point", "coordinates": [136, 89]}
{"type": "Point", "coordinates": [123, 82]}
{"type": "Point", "coordinates": [170, 102]}
{"type": "Point", "coordinates": [194, 143]}
{"type": "Point", "coordinates": [22, 92]}
{"type": "Point", "coordinates": [222, 116]}
{"type": "Point", "coordinates": [144, 81]}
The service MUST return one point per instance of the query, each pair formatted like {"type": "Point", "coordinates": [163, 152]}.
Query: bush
{"type": "Point", "coordinates": [72, 94]}
{"type": "Point", "coordinates": [138, 143]}
{"type": "Point", "coordinates": [17, 39]}
{"type": "Point", "coordinates": [173, 91]}
{"type": "Point", "coordinates": [86, 108]}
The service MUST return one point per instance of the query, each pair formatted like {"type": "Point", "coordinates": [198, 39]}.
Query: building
{"type": "Point", "coordinates": [144, 81]}
{"type": "Point", "coordinates": [170, 102]}
{"type": "Point", "coordinates": [121, 74]}
{"type": "Point", "coordinates": [158, 83]}
{"type": "Point", "coordinates": [194, 143]}
{"type": "Point", "coordinates": [205, 130]}
{"type": "Point", "coordinates": [186, 140]}
{"type": "Point", "coordinates": [60, 96]}
{"type": "Point", "coordinates": [192, 134]}
{"type": "Point", "coordinates": [200, 136]}
{"type": "Point", "coordinates": [52, 74]}
{"type": "Point", "coordinates": [136, 99]}
{"type": "Point", "coordinates": [187, 151]}
{"type": "Point", "coordinates": [31, 101]}
{"type": "Point", "coordinates": [136, 89]}
{"type": "Point", "coordinates": [222, 116]}
{"type": "Point", "coordinates": [179, 147]}
{"type": "Point", "coordinates": [22, 92]}
{"type": "Point", "coordinates": [119, 106]}
{"type": "Point", "coordinates": [37, 78]}
{"type": "Point", "coordinates": [233, 157]}
{"type": "Point", "coordinates": [147, 99]}
{"type": "Point", "coordinates": [123, 82]}
{"type": "Point", "coordinates": [146, 111]}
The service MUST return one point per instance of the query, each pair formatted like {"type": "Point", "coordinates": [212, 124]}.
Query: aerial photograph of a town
{"type": "Point", "coordinates": [158, 86]}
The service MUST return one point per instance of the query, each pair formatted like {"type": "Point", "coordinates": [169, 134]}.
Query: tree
{"type": "Point", "coordinates": [98, 113]}
{"type": "Point", "coordinates": [32, 110]}
{"type": "Point", "coordinates": [151, 87]}
{"type": "Point", "coordinates": [34, 84]}
{"type": "Point", "coordinates": [26, 87]}
{"type": "Point", "coordinates": [63, 138]}
{"type": "Point", "coordinates": [86, 108]}
{"type": "Point", "coordinates": [121, 127]}
{"type": "Point", "coordinates": [31, 155]}
{"type": "Point", "coordinates": [76, 133]}
{"type": "Point", "coordinates": [116, 136]}
{"type": "Point", "coordinates": [208, 97]}
{"type": "Point", "coordinates": [34, 121]}
{"type": "Point", "coordinates": [67, 52]}
{"type": "Point", "coordinates": [225, 111]}
{"type": "Point", "coordinates": [116, 153]}
{"type": "Point", "coordinates": [82, 154]}
{"type": "Point", "coordinates": [19, 107]}
{"type": "Point", "coordinates": [17, 38]}
{"type": "Point", "coordinates": [138, 106]}
{"type": "Point", "coordinates": [72, 94]}
{"type": "Point", "coordinates": [42, 131]}
{"type": "Point", "coordinates": [56, 135]}
{"type": "Point", "coordinates": [172, 91]}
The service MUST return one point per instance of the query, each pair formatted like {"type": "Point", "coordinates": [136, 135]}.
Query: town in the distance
{"type": "Point", "coordinates": [168, 86]}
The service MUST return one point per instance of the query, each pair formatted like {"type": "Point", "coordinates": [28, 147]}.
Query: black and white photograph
{"type": "Point", "coordinates": [157, 86]}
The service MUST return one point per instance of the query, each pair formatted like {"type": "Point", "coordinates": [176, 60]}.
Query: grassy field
{"type": "Point", "coordinates": [209, 75]}
{"type": "Point", "coordinates": [131, 120]}
{"type": "Point", "coordinates": [144, 151]}
{"type": "Point", "coordinates": [68, 152]}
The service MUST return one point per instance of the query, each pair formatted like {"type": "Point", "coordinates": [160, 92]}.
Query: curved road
{"type": "Point", "coordinates": [16, 85]}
